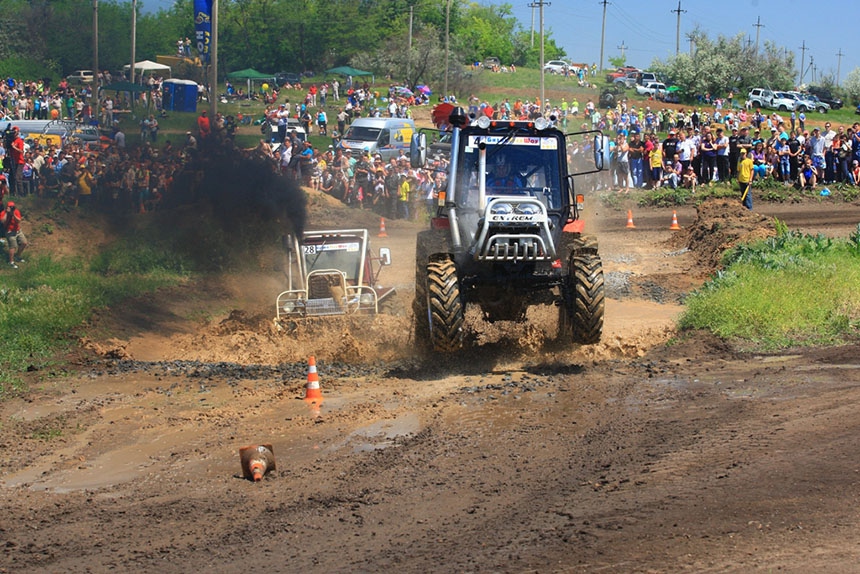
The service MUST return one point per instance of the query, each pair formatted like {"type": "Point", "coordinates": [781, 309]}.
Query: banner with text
{"type": "Point", "coordinates": [203, 28]}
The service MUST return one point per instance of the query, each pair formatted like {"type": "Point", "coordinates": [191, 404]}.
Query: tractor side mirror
{"type": "Point", "coordinates": [385, 255]}
{"type": "Point", "coordinates": [418, 150]}
{"type": "Point", "coordinates": [599, 143]}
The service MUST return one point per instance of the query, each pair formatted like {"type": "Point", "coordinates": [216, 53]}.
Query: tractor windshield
{"type": "Point", "coordinates": [341, 253]}
{"type": "Point", "coordinates": [516, 165]}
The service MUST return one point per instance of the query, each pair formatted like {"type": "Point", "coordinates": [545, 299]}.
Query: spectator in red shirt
{"type": "Point", "coordinates": [15, 239]}
{"type": "Point", "coordinates": [16, 167]}
{"type": "Point", "coordinates": [203, 125]}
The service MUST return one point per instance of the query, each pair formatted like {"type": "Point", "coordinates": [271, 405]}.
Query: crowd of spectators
{"type": "Point", "coordinates": [702, 146]}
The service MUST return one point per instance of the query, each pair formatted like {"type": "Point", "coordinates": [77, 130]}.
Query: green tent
{"type": "Point", "coordinates": [251, 75]}
{"type": "Point", "coordinates": [348, 71]}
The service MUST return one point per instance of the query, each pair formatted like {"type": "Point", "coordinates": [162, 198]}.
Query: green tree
{"type": "Point", "coordinates": [851, 86]}
{"type": "Point", "coordinates": [618, 61]}
{"type": "Point", "coordinates": [715, 66]}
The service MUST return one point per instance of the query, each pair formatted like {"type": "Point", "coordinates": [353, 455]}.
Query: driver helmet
{"type": "Point", "coordinates": [500, 166]}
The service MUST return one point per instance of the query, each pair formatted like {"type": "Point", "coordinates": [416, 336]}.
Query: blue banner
{"type": "Point", "coordinates": [203, 28]}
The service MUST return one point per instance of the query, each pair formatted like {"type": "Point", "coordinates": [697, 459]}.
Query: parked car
{"type": "Point", "coordinates": [643, 78]}
{"type": "Point", "coordinates": [808, 103]}
{"type": "Point", "coordinates": [80, 77]}
{"type": "Point", "coordinates": [652, 89]}
{"type": "Point", "coordinates": [826, 96]}
{"type": "Point", "coordinates": [620, 73]}
{"type": "Point", "coordinates": [282, 78]}
{"type": "Point", "coordinates": [628, 81]}
{"type": "Point", "coordinates": [555, 66]}
{"type": "Point", "coordinates": [764, 98]}
{"type": "Point", "coordinates": [491, 62]}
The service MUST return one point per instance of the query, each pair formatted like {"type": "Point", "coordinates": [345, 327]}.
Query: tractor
{"type": "Point", "coordinates": [507, 232]}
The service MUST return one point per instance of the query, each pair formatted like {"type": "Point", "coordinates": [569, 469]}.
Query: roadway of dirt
{"type": "Point", "coordinates": [654, 451]}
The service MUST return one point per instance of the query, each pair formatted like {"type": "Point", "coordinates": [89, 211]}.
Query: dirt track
{"type": "Point", "coordinates": [630, 456]}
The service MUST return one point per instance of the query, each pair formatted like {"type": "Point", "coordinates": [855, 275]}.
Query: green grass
{"type": "Point", "coordinates": [46, 300]}
{"type": "Point", "coordinates": [792, 290]}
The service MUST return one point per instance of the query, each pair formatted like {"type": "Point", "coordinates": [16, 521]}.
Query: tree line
{"type": "Point", "coordinates": [53, 37]}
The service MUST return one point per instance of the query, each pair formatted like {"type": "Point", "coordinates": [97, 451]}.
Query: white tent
{"type": "Point", "coordinates": [150, 66]}
{"type": "Point", "coordinates": [145, 66]}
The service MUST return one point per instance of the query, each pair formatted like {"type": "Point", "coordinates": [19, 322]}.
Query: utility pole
{"type": "Point", "coordinates": [692, 39]}
{"type": "Point", "coordinates": [94, 97]}
{"type": "Point", "coordinates": [758, 26]}
{"type": "Point", "coordinates": [409, 53]}
{"type": "Point", "coordinates": [540, 4]}
{"type": "Point", "coordinates": [839, 55]}
{"type": "Point", "coordinates": [447, 45]}
{"type": "Point", "coordinates": [803, 50]}
{"type": "Point", "coordinates": [213, 65]}
{"type": "Point", "coordinates": [678, 29]}
{"type": "Point", "coordinates": [602, 33]}
{"type": "Point", "coordinates": [133, 35]}
{"type": "Point", "coordinates": [622, 47]}
{"type": "Point", "coordinates": [532, 6]}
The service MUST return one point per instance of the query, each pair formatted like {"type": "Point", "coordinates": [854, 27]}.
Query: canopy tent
{"type": "Point", "coordinates": [348, 71]}
{"type": "Point", "coordinates": [140, 68]}
{"type": "Point", "coordinates": [250, 75]}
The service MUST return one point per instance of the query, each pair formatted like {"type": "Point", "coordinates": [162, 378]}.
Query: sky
{"type": "Point", "coordinates": [647, 28]}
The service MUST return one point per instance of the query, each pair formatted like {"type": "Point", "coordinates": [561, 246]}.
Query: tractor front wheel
{"type": "Point", "coordinates": [581, 312]}
{"type": "Point", "coordinates": [445, 311]}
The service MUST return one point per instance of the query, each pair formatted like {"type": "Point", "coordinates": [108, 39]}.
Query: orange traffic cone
{"type": "Point", "coordinates": [312, 389]}
{"type": "Point", "coordinates": [630, 219]}
{"type": "Point", "coordinates": [382, 232]}
{"type": "Point", "coordinates": [675, 226]}
{"type": "Point", "coordinates": [256, 461]}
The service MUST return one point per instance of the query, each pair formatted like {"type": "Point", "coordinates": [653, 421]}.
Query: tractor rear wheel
{"type": "Point", "coordinates": [445, 312]}
{"type": "Point", "coordinates": [581, 313]}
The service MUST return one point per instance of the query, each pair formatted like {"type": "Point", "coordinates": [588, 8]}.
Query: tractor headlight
{"type": "Point", "coordinates": [541, 123]}
{"type": "Point", "coordinates": [527, 209]}
{"type": "Point", "coordinates": [501, 209]}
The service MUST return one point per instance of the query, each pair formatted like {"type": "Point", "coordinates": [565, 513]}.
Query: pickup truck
{"type": "Point", "coordinates": [651, 89]}
{"type": "Point", "coordinates": [621, 73]}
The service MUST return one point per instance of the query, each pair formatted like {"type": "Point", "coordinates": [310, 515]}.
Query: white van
{"type": "Point", "coordinates": [385, 136]}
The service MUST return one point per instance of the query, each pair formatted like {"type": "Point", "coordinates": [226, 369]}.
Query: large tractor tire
{"type": "Point", "coordinates": [581, 312]}
{"type": "Point", "coordinates": [430, 244]}
{"type": "Point", "coordinates": [444, 309]}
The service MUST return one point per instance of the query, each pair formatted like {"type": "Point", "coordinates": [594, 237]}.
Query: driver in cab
{"type": "Point", "coordinates": [500, 178]}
